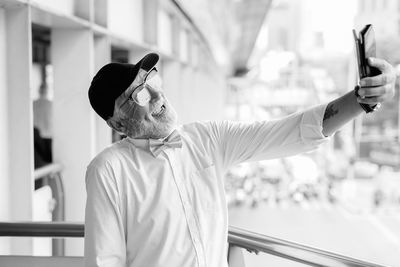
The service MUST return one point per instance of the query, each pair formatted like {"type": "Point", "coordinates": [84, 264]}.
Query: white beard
{"type": "Point", "coordinates": [163, 126]}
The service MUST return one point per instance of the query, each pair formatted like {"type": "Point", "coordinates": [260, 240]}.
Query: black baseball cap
{"type": "Point", "coordinates": [112, 80]}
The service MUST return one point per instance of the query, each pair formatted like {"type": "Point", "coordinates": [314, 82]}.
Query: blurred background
{"type": "Point", "coordinates": [240, 60]}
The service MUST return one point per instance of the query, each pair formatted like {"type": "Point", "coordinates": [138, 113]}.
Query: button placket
{"type": "Point", "coordinates": [188, 210]}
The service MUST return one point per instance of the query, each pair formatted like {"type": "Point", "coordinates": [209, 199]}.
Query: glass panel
{"type": "Point", "coordinates": [346, 193]}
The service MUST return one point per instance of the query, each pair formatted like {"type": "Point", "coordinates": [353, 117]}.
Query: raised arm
{"type": "Point", "coordinates": [372, 90]}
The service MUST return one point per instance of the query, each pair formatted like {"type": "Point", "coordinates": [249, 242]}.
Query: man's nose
{"type": "Point", "coordinates": [155, 94]}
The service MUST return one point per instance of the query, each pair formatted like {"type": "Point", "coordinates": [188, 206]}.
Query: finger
{"type": "Point", "coordinates": [371, 100]}
{"type": "Point", "coordinates": [379, 63]}
{"type": "Point", "coordinates": [373, 91]}
{"type": "Point", "coordinates": [378, 80]}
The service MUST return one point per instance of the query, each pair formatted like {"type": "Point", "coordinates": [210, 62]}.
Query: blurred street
{"type": "Point", "coordinates": [366, 235]}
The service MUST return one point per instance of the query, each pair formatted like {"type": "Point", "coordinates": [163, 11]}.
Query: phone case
{"type": "Point", "coordinates": [365, 48]}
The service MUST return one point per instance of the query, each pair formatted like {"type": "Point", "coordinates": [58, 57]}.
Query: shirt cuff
{"type": "Point", "coordinates": [311, 125]}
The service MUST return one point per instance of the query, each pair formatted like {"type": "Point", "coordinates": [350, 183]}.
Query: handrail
{"type": "Point", "coordinates": [51, 168]}
{"type": "Point", "coordinates": [251, 241]}
{"type": "Point", "coordinates": [42, 229]}
{"type": "Point", "coordinates": [255, 242]}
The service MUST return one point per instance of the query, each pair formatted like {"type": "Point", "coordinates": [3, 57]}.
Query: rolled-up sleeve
{"type": "Point", "coordinates": [297, 133]}
{"type": "Point", "coordinates": [104, 230]}
{"type": "Point", "coordinates": [311, 126]}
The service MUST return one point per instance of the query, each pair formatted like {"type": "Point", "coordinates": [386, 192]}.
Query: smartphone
{"type": "Point", "coordinates": [367, 36]}
{"type": "Point", "coordinates": [365, 48]}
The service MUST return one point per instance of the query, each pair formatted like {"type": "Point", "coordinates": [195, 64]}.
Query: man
{"type": "Point", "coordinates": [156, 198]}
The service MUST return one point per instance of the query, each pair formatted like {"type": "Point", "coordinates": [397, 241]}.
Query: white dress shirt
{"type": "Point", "coordinates": [170, 210]}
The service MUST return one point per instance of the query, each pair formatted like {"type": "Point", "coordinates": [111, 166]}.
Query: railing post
{"type": "Point", "coordinates": [235, 256]}
{"type": "Point", "coordinates": [51, 176]}
{"type": "Point", "coordinates": [58, 213]}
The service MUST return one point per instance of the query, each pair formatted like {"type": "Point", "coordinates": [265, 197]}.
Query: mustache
{"type": "Point", "coordinates": [157, 105]}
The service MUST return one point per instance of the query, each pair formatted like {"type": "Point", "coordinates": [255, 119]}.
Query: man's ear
{"type": "Point", "coordinates": [116, 124]}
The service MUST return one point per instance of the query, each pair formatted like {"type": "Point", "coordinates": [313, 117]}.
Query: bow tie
{"type": "Point", "coordinates": [157, 146]}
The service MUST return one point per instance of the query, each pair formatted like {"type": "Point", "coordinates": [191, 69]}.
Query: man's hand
{"type": "Point", "coordinates": [379, 88]}
{"type": "Point", "coordinates": [373, 90]}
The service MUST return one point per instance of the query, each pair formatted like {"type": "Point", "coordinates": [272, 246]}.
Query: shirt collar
{"type": "Point", "coordinates": [140, 143]}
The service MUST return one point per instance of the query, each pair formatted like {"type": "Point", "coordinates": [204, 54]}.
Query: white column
{"type": "Point", "coordinates": [150, 21]}
{"type": "Point", "coordinates": [188, 92]}
{"type": "Point", "coordinates": [72, 58]}
{"type": "Point", "coordinates": [84, 9]}
{"type": "Point", "coordinates": [4, 152]}
{"type": "Point", "coordinates": [170, 73]}
{"type": "Point", "coordinates": [102, 54]}
{"type": "Point", "coordinates": [101, 12]}
{"type": "Point", "coordinates": [20, 122]}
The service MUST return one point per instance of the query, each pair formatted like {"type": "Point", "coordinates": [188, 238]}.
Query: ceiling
{"type": "Point", "coordinates": [250, 15]}
{"type": "Point", "coordinates": [230, 27]}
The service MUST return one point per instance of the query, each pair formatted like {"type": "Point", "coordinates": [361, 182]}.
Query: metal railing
{"type": "Point", "coordinates": [250, 241]}
{"type": "Point", "coordinates": [308, 255]}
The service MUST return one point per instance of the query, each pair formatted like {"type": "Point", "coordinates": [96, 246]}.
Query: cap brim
{"type": "Point", "coordinates": [148, 61]}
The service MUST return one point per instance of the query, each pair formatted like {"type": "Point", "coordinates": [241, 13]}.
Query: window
{"type": "Point", "coordinates": [165, 31]}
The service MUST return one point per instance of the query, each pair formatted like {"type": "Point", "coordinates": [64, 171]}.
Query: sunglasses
{"type": "Point", "coordinates": [141, 94]}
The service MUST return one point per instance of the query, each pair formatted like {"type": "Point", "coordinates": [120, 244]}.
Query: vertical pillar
{"type": "Point", "coordinates": [20, 119]}
{"type": "Point", "coordinates": [102, 55]}
{"type": "Point", "coordinates": [172, 85]}
{"type": "Point", "coordinates": [72, 57]}
{"type": "Point", "coordinates": [176, 26]}
{"type": "Point", "coordinates": [150, 21]}
{"type": "Point", "coordinates": [4, 152]}
{"type": "Point", "coordinates": [83, 9]}
{"type": "Point", "coordinates": [100, 12]}
{"type": "Point", "coordinates": [188, 94]}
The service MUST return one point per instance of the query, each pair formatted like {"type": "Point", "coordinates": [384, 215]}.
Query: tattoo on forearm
{"type": "Point", "coordinates": [330, 111]}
